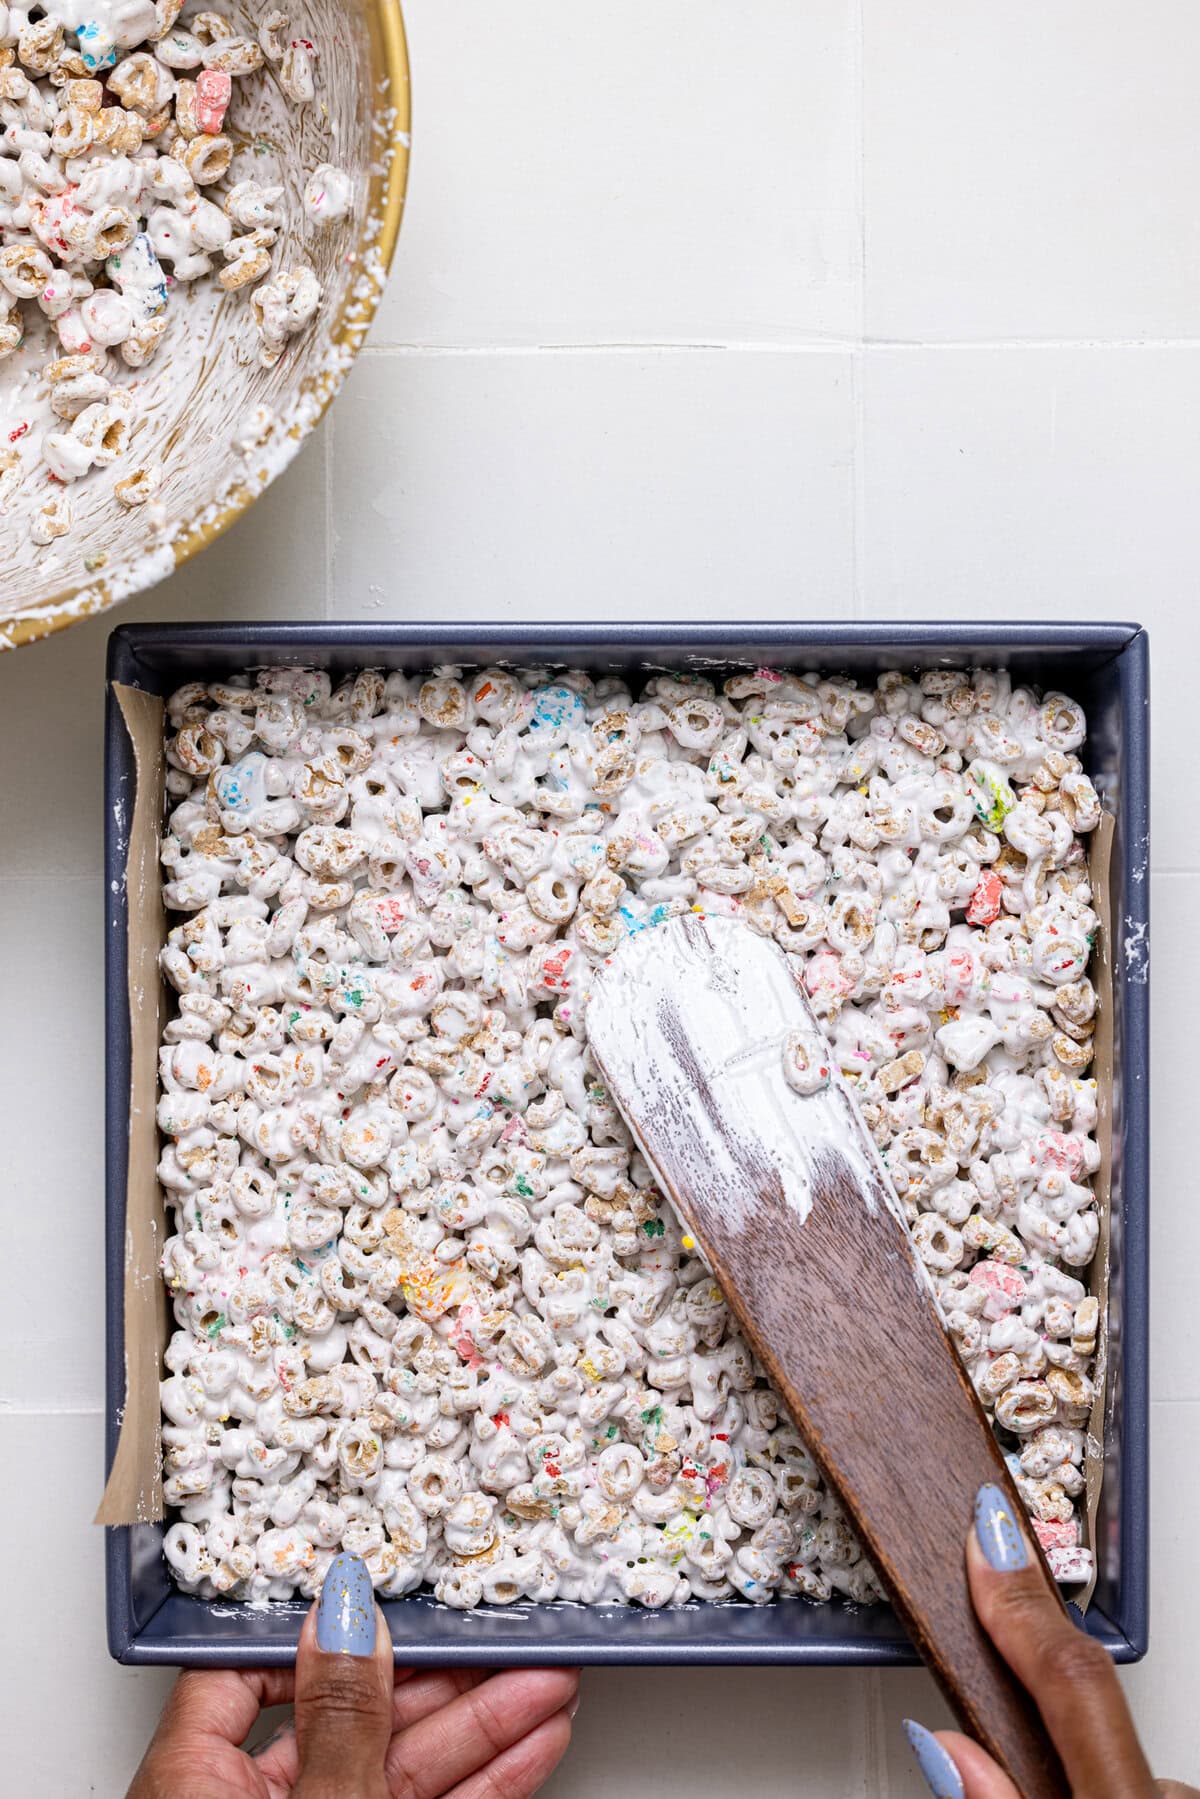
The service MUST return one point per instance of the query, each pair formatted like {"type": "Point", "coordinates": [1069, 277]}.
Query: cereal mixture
{"type": "Point", "coordinates": [430, 1307]}
{"type": "Point", "coordinates": [118, 181]}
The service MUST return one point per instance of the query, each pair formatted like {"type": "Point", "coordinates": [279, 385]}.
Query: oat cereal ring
{"type": "Point", "coordinates": [142, 485]}
{"type": "Point", "coordinates": [205, 158]}
{"type": "Point", "coordinates": [806, 1063]}
{"type": "Point", "coordinates": [295, 73]}
{"type": "Point", "coordinates": [10, 475]}
{"type": "Point", "coordinates": [248, 259]}
{"type": "Point", "coordinates": [272, 35]}
{"type": "Point", "coordinates": [229, 56]}
{"type": "Point", "coordinates": [24, 270]}
{"type": "Point", "coordinates": [143, 341]}
{"type": "Point", "coordinates": [54, 519]}
{"type": "Point", "coordinates": [39, 45]}
{"type": "Point", "coordinates": [140, 83]}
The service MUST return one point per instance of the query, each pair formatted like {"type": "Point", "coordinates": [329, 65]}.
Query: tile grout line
{"type": "Point", "coordinates": [327, 452]}
{"type": "Point", "coordinates": [626, 347]}
{"type": "Point", "coordinates": [814, 346]}
{"type": "Point", "coordinates": [857, 368]}
{"type": "Point", "coordinates": [10, 1408]}
{"type": "Point", "coordinates": [14, 880]}
{"type": "Point", "coordinates": [877, 1784]}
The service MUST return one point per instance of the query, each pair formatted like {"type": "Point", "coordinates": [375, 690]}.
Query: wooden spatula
{"type": "Point", "coordinates": [776, 1176]}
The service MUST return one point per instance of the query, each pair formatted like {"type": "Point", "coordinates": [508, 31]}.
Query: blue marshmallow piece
{"type": "Point", "coordinates": [97, 45]}
{"type": "Point", "coordinates": [242, 786]}
{"type": "Point", "coordinates": [138, 274]}
{"type": "Point", "coordinates": [557, 711]}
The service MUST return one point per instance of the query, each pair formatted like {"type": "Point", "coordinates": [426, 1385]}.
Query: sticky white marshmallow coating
{"type": "Point", "coordinates": [429, 1307]}
{"type": "Point", "coordinates": [117, 184]}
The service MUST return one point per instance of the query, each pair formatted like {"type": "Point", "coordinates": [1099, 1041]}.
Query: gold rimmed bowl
{"type": "Point", "coordinates": [205, 411]}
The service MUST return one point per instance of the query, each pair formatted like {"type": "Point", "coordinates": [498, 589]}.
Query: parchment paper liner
{"type": "Point", "coordinates": [134, 1491]}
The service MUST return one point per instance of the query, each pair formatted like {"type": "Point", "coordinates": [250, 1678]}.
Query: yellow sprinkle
{"type": "Point", "coordinates": [689, 1242]}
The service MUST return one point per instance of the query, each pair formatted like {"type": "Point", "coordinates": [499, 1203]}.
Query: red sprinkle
{"type": "Point", "coordinates": [19, 432]}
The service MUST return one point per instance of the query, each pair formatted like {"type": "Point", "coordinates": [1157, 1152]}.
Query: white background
{"type": "Point", "coordinates": [797, 309]}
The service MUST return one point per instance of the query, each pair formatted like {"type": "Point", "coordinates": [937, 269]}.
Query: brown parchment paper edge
{"type": "Point", "coordinates": [1101, 973]}
{"type": "Point", "coordinates": [133, 1494]}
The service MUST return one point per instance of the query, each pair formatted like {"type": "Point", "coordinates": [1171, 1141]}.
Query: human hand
{"type": "Point", "coordinates": [1069, 1675]}
{"type": "Point", "coordinates": [363, 1729]}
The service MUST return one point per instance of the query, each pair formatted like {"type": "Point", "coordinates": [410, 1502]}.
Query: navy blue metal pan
{"type": "Point", "coordinates": [1106, 668]}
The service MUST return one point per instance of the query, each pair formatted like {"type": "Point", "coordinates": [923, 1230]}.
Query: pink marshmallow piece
{"type": "Point", "coordinates": [1070, 1565]}
{"type": "Point", "coordinates": [213, 88]}
{"type": "Point", "coordinates": [1056, 1536]}
{"type": "Point", "coordinates": [1004, 1286]}
{"type": "Point", "coordinates": [391, 912]}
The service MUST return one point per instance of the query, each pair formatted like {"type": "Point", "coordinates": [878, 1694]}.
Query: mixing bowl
{"type": "Point", "coordinates": [219, 424]}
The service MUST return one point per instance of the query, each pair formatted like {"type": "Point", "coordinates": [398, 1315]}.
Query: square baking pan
{"type": "Point", "coordinates": [1104, 667]}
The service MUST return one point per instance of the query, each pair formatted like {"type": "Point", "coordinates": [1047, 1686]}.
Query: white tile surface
{"type": "Point", "coordinates": [1162, 1689]}
{"type": "Point", "coordinates": [52, 1179]}
{"type": "Point", "coordinates": [700, 1733]}
{"type": "Point", "coordinates": [75, 1722]}
{"type": "Point", "coordinates": [629, 172]}
{"type": "Point", "coordinates": [1023, 169]}
{"type": "Point", "coordinates": [1174, 1214]}
{"type": "Point", "coordinates": [648, 484]}
{"type": "Point", "coordinates": [1044, 484]}
{"type": "Point", "coordinates": [619, 179]}
{"type": "Point", "coordinates": [268, 565]}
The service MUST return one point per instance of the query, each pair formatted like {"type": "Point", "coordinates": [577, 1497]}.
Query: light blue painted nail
{"type": "Point", "coordinates": [998, 1531]}
{"type": "Point", "coordinates": [943, 1778]}
{"type": "Point", "coordinates": [346, 1613]}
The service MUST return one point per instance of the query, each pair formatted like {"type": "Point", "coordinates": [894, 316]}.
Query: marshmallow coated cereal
{"type": "Point", "coordinates": [429, 1306]}
{"type": "Point", "coordinates": [119, 180]}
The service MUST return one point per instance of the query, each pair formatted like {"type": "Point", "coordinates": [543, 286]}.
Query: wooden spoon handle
{"type": "Point", "coordinates": [797, 1220]}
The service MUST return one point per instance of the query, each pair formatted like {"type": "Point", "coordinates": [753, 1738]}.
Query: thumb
{"type": "Point", "coordinates": [1068, 1673]}
{"type": "Point", "coordinates": [343, 1689]}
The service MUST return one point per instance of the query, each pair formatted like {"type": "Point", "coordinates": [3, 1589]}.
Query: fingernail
{"type": "Point", "coordinates": [943, 1778]}
{"type": "Point", "coordinates": [998, 1532]}
{"type": "Point", "coordinates": [574, 1705]}
{"type": "Point", "coordinates": [346, 1613]}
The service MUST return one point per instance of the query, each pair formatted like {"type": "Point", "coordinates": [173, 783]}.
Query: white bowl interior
{"type": "Point", "coordinates": [218, 424]}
